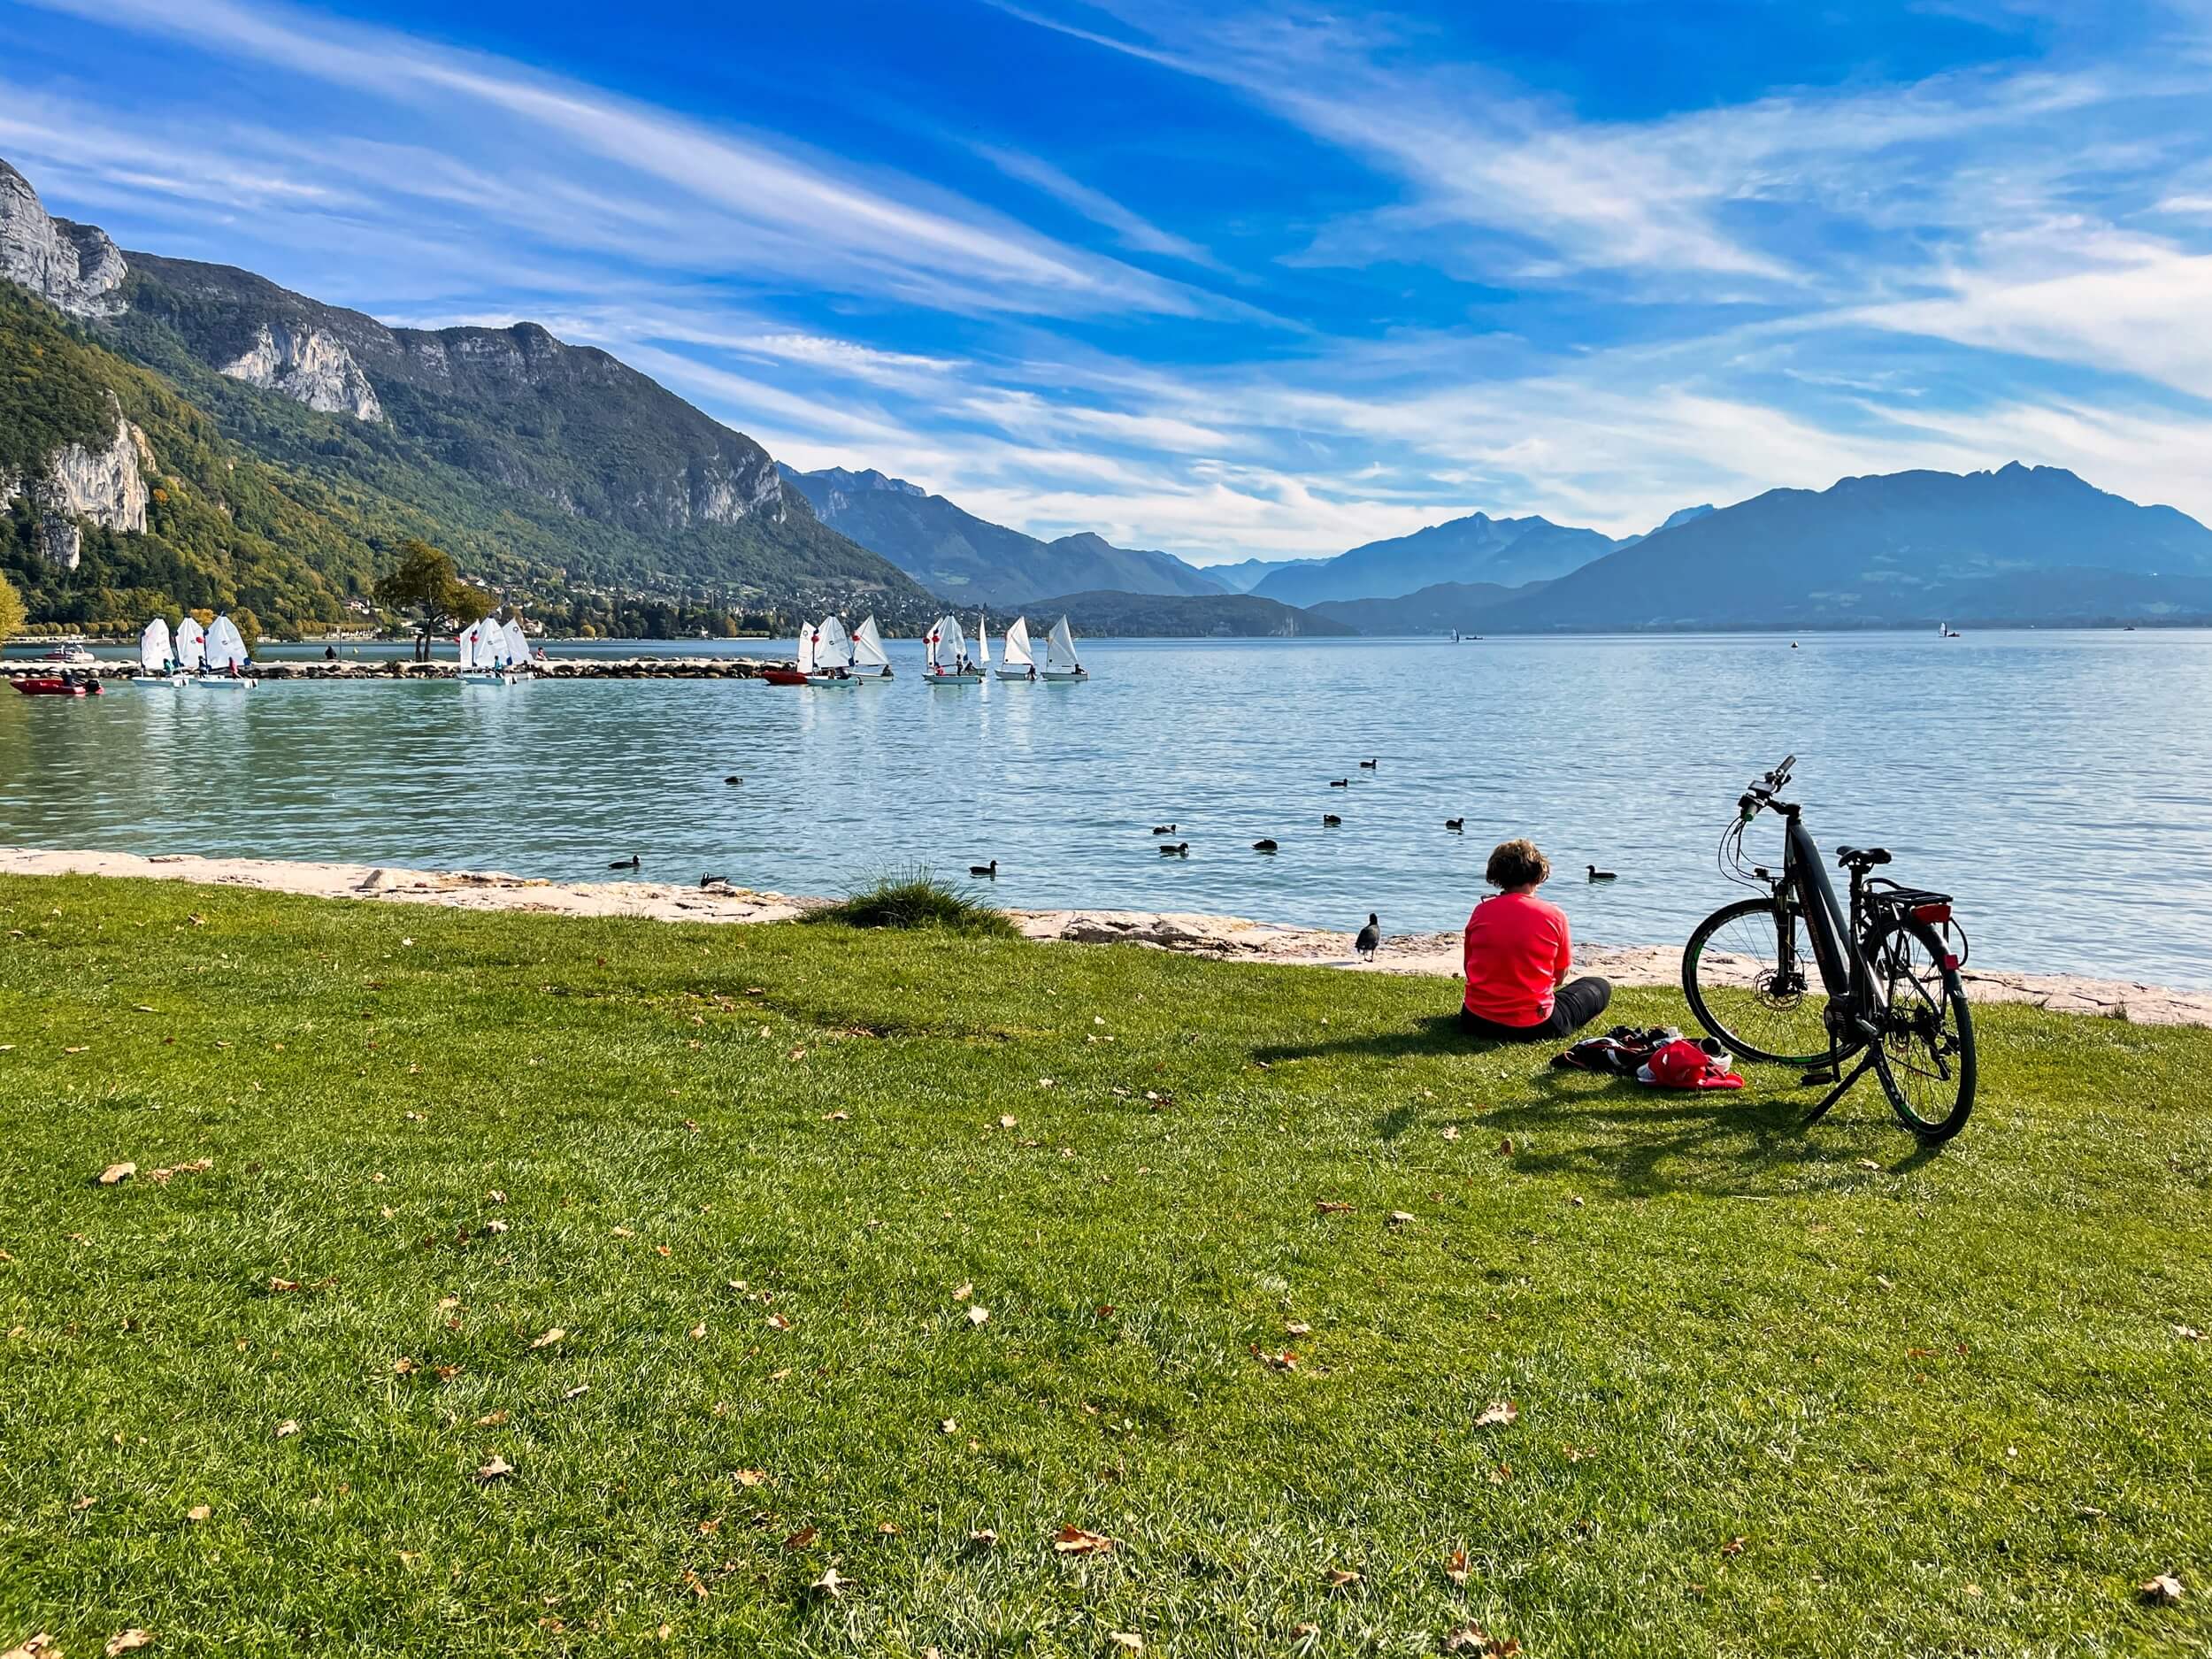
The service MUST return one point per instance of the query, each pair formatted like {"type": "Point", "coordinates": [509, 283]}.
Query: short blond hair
{"type": "Point", "coordinates": [1516, 863]}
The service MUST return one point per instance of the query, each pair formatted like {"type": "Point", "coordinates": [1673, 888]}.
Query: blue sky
{"type": "Point", "coordinates": [1228, 280]}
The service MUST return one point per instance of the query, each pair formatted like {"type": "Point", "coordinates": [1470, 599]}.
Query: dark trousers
{"type": "Point", "coordinates": [1574, 1005]}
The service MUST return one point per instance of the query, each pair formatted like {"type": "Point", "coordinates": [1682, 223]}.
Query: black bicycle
{"type": "Point", "coordinates": [1886, 989]}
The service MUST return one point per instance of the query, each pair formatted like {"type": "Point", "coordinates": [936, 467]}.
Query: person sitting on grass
{"type": "Point", "coordinates": [1518, 955]}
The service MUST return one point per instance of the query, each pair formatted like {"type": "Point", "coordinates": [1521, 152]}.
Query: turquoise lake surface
{"type": "Point", "coordinates": [2060, 784]}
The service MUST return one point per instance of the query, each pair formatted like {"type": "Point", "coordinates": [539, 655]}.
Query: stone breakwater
{"type": "Point", "coordinates": [1221, 938]}
{"type": "Point", "coordinates": [385, 673]}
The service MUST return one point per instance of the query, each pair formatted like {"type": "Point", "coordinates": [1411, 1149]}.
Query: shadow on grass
{"type": "Point", "coordinates": [1645, 1142]}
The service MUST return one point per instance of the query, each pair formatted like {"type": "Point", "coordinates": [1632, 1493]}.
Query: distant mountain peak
{"type": "Point", "coordinates": [847, 479]}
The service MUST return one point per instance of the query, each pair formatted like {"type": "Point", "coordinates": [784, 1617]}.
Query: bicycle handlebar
{"type": "Point", "coordinates": [1764, 789]}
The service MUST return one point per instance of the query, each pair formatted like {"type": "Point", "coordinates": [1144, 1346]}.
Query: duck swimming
{"type": "Point", "coordinates": [1175, 849]}
{"type": "Point", "coordinates": [1597, 874]}
{"type": "Point", "coordinates": [1454, 825]}
{"type": "Point", "coordinates": [1164, 829]}
{"type": "Point", "coordinates": [630, 863]}
{"type": "Point", "coordinates": [990, 870]}
{"type": "Point", "coordinates": [1263, 845]}
{"type": "Point", "coordinates": [1367, 765]}
{"type": "Point", "coordinates": [1339, 783]}
{"type": "Point", "coordinates": [1330, 820]}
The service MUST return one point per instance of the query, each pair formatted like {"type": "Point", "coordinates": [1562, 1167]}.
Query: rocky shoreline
{"type": "Point", "coordinates": [1223, 937]}
{"type": "Point", "coordinates": [396, 669]}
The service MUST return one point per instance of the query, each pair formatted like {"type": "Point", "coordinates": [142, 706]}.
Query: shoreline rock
{"type": "Point", "coordinates": [1220, 937]}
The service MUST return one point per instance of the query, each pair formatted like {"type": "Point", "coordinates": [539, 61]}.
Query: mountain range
{"type": "Point", "coordinates": [966, 559]}
{"type": "Point", "coordinates": [173, 433]}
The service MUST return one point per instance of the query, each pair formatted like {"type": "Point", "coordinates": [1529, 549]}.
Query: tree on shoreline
{"type": "Point", "coordinates": [425, 583]}
{"type": "Point", "coordinates": [11, 612]}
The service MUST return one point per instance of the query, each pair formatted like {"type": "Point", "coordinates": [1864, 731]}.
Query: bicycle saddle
{"type": "Point", "coordinates": [1862, 857]}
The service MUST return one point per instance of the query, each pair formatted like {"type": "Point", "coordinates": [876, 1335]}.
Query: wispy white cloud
{"type": "Point", "coordinates": [1132, 230]}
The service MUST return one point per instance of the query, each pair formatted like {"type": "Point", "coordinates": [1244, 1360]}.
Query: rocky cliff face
{"type": "Point", "coordinates": [310, 367]}
{"type": "Point", "coordinates": [107, 486]}
{"type": "Point", "coordinates": [75, 266]}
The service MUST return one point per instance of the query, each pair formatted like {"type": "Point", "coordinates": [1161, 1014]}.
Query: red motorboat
{"type": "Point", "coordinates": [783, 676]}
{"type": "Point", "coordinates": [53, 686]}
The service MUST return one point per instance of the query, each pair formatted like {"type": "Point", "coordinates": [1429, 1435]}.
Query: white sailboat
{"type": "Point", "coordinates": [228, 666]}
{"type": "Point", "coordinates": [829, 661]}
{"type": "Point", "coordinates": [157, 668]}
{"type": "Point", "coordinates": [483, 654]}
{"type": "Point", "coordinates": [982, 646]}
{"type": "Point", "coordinates": [518, 645]}
{"type": "Point", "coordinates": [1061, 662]}
{"type": "Point", "coordinates": [1018, 662]}
{"type": "Point", "coordinates": [949, 655]}
{"type": "Point", "coordinates": [191, 646]}
{"type": "Point", "coordinates": [871, 663]}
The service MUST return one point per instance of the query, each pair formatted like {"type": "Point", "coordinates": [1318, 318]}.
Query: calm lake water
{"type": "Point", "coordinates": [2060, 784]}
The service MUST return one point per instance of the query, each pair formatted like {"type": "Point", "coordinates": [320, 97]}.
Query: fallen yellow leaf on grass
{"type": "Point", "coordinates": [1332, 1206]}
{"type": "Point", "coordinates": [1285, 1361]}
{"type": "Point", "coordinates": [287, 1428]}
{"type": "Point", "coordinates": [198, 1512]}
{"type": "Point", "coordinates": [778, 1322]}
{"type": "Point", "coordinates": [965, 1291]}
{"type": "Point", "coordinates": [978, 1314]}
{"type": "Point", "coordinates": [1073, 1540]}
{"type": "Point", "coordinates": [1734, 1546]}
{"type": "Point", "coordinates": [1341, 1578]}
{"type": "Point", "coordinates": [1007, 1120]}
{"type": "Point", "coordinates": [555, 1334]}
{"type": "Point", "coordinates": [983, 1538]}
{"type": "Point", "coordinates": [1298, 1327]}
{"type": "Point", "coordinates": [1498, 1413]}
{"type": "Point", "coordinates": [1455, 1567]}
{"type": "Point", "coordinates": [829, 1586]}
{"type": "Point", "coordinates": [1128, 1639]}
{"type": "Point", "coordinates": [801, 1539]}
{"type": "Point", "coordinates": [1401, 1217]}
{"type": "Point", "coordinates": [495, 1468]}
{"type": "Point", "coordinates": [699, 1331]}
{"type": "Point", "coordinates": [115, 1172]}
{"type": "Point", "coordinates": [2163, 1591]}
{"type": "Point", "coordinates": [33, 1647]}
{"type": "Point", "coordinates": [2189, 1334]}
{"type": "Point", "coordinates": [1473, 1638]}
{"type": "Point", "coordinates": [491, 1419]}
{"type": "Point", "coordinates": [577, 1392]}
{"type": "Point", "coordinates": [751, 1476]}
{"type": "Point", "coordinates": [128, 1641]}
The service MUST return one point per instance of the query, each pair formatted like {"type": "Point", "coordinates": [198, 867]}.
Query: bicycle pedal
{"type": "Point", "coordinates": [1814, 1079]}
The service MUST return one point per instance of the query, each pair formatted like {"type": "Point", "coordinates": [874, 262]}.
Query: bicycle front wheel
{"type": "Point", "coordinates": [1751, 981]}
{"type": "Point", "coordinates": [1927, 1031]}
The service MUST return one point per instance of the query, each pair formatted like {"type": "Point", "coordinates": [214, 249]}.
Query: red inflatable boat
{"type": "Point", "coordinates": [45, 685]}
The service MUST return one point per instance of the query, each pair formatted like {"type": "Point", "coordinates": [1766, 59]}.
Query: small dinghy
{"type": "Point", "coordinates": [1061, 662]}
{"type": "Point", "coordinates": [57, 686]}
{"type": "Point", "coordinates": [949, 664]}
{"type": "Point", "coordinates": [228, 667]}
{"type": "Point", "coordinates": [484, 653]}
{"type": "Point", "coordinates": [832, 651]}
{"type": "Point", "coordinates": [518, 645]}
{"type": "Point", "coordinates": [157, 669]}
{"type": "Point", "coordinates": [1018, 663]}
{"type": "Point", "coordinates": [871, 663]}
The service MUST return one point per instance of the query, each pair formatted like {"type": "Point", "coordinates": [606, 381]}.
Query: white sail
{"type": "Point", "coordinates": [1016, 651]}
{"type": "Point", "coordinates": [804, 656]}
{"type": "Point", "coordinates": [191, 645]}
{"type": "Point", "coordinates": [868, 651]}
{"type": "Point", "coordinates": [225, 646]}
{"type": "Point", "coordinates": [836, 650]}
{"type": "Point", "coordinates": [153, 647]}
{"type": "Point", "coordinates": [946, 643]}
{"type": "Point", "coordinates": [479, 650]}
{"type": "Point", "coordinates": [982, 641]}
{"type": "Point", "coordinates": [1060, 657]}
{"type": "Point", "coordinates": [517, 642]}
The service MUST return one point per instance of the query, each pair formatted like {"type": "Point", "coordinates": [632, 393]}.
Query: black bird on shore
{"type": "Point", "coordinates": [1454, 825]}
{"type": "Point", "coordinates": [1330, 820]}
{"type": "Point", "coordinates": [1263, 845]}
{"type": "Point", "coordinates": [1597, 874]}
{"type": "Point", "coordinates": [1164, 829]}
{"type": "Point", "coordinates": [990, 870]}
{"type": "Point", "coordinates": [1175, 849]}
{"type": "Point", "coordinates": [1339, 783]}
{"type": "Point", "coordinates": [1370, 938]}
{"type": "Point", "coordinates": [630, 863]}
{"type": "Point", "coordinates": [1367, 765]}
{"type": "Point", "coordinates": [714, 881]}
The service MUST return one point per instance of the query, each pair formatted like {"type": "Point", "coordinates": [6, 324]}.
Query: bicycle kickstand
{"type": "Point", "coordinates": [1842, 1087]}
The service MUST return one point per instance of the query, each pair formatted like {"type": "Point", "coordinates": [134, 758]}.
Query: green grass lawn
{"type": "Point", "coordinates": [1778, 1390]}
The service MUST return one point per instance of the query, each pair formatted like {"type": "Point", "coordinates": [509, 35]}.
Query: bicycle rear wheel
{"type": "Point", "coordinates": [1752, 982]}
{"type": "Point", "coordinates": [1927, 1067]}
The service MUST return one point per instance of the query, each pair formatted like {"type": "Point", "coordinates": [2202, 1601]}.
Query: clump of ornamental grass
{"type": "Point", "coordinates": [914, 898]}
